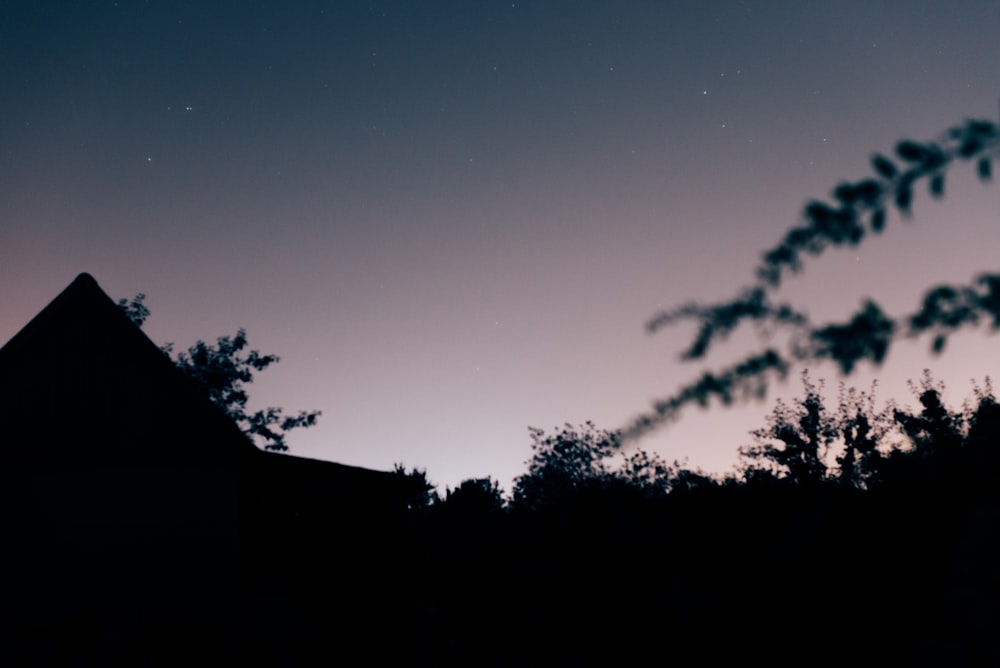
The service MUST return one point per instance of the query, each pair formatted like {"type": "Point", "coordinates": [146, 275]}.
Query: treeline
{"type": "Point", "coordinates": [849, 535]}
{"type": "Point", "coordinates": [851, 444]}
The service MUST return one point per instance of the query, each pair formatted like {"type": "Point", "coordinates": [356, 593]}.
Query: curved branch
{"type": "Point", "coordinates": [743, 380]}
{"type": "Point", "coordinates": [866, 335]}
{"type": "Point", "coordinates": [861, 206]}
{"type": "Point", "coordinates": [856, 209]}
{"type": "Point", "coordinates": [717, 321]}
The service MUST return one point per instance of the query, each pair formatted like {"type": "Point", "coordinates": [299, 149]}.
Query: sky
{"type": "Point", "coordinates": [452, 220]}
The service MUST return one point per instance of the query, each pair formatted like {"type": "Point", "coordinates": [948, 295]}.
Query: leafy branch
{"type": "Point", "coordinates": [860, 207]}
{"type": "Point", "coordinates": [223, 371]}
{"type": "Point", "coordinates": [855, 210]}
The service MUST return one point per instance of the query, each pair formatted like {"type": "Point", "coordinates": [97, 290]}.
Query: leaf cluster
{"type": "Point", "coordinates": [806, 442]}
{"type": "Point", "coordinates": [224, 370]}
{"type": "Point", "coordinates": [855, 444]}
{"type": "Point", "coordinates": [576, 465]}
{"type": "Point", "coordinates": [858, 208]}
{"type": "Point", "coordinates": [853, 212]}
{"type": "Point", "coordinates": [135, 309]}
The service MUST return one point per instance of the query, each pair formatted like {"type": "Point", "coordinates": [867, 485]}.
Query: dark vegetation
{"type": "Point", "coordinates": [223, 371]}
{"type": "Point", "coordinates": [856, 211]}
{"type": "Point", "coordinates": [850, 535]}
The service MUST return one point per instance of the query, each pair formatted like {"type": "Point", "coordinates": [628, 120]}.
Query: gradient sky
{"type": "Point", "coordinates": [452, 219]}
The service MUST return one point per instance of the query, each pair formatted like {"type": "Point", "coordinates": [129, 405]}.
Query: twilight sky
{"type": "Point", "coordinates": [452, 219]}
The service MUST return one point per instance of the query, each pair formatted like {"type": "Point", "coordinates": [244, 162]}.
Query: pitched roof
{"type": "Point", "coordinates": [82, 382]}
{"type": "Point", "coordinates": [125, 494]}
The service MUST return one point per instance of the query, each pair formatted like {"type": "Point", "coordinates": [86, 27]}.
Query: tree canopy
{"type": "Point", "coordinates": [854, 212]}
{"type": "Point", "coordinates": [224, 370]}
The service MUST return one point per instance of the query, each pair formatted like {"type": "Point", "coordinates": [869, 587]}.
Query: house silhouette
{"type": "Point", "coordinates": [140, 524]}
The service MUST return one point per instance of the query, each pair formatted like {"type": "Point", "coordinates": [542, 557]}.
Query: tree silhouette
{"type": "Point", "coordinates": [806, 442]}
{"type": "Point", "coordinates": [857, 445]}
{"type": "Point", "coordinates": [855, 211]}
{"type": "Point", "coordinates": [935, 427]}
{"type": "Point", "coordinates": [135, 309]}
{"type": "Point", "coordinates": [563, 465]}
{"type": "Point", "coordinates": [223, 371]}
{"type": "Point", "coordinates": [475, 497]}
{"type": "Point", "coordinates": [805, 433]}
{"type": "Point", "coordinates": [428, 495]}
{"type": "Point", "coordinates": [863, 430]}
{"type": "Point", "coordinates": [580, 466]}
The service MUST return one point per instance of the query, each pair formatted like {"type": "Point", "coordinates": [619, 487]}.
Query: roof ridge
{"type": "Point", "coordinates": [87, 311]}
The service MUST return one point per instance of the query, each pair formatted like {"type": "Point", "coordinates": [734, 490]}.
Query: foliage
{"type": "Point", "coordinates": [805, 432]}
{"type": "Point", "coordinates": [854, 211]}
{"type": "Point", "coordinates": [648, 473]}
{"type": "Point", "coordinates": [428, 496]}
{"type": "Point", "coordinates": [564, 464]}
{"type": "Point", "coordinates": [135, 309]}
{"type": "Point", "coordinates": [935, 427]}
{"type": "Point", "coordinates": [578, 465]}
{"type": "Point", "coordinates": [475, 497]}
{"type": "Point", "coordinates": [868, 435]}
{"type": "Point", "coordinates": [982, 401]}
{"type": "Point", "coordinates": [223, 371]}
{"type": "Point", "coordinates": [842, 222]}
{"type": "Point", "coordinates": [807, 443]}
